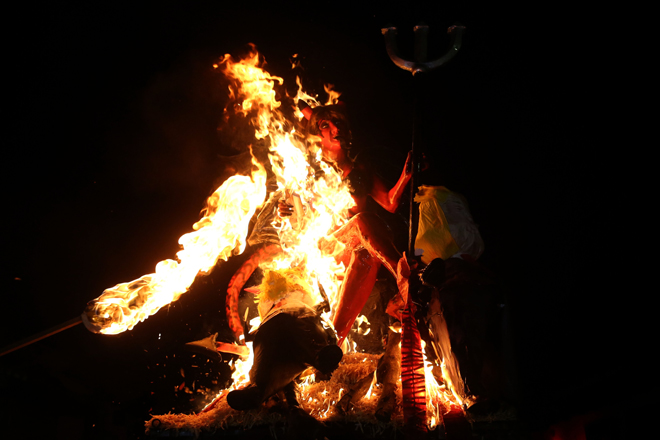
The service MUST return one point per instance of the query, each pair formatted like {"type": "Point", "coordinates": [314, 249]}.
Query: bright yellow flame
{"type": "Point", "coordinates": [321, 202]}
{"type": "Point", "coordinates": [220, 233]}
{"type": "Point", "coordinates": [241, 374]}
{"type": "Point", "coordinates": [439, 398]}
{"type": "Point", "coordinates": [322, 206]}
{"type": "Point", "coordinates": [371, 386]}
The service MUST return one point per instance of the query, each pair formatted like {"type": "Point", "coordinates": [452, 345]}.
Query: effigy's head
{"type": "Point", "coordinates": [330, 123]}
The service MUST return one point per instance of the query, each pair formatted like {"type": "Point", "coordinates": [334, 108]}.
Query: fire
{"type": "Point", "coordinates": [321, 202]}
{"type": "Point", "coordinates": [440, 398]}
{"type": "Point", "coordinates": [241, 374]}
{"type": "Point", "coordinates": [323, 206]}
{"type": "Point", "coordinates": [217, 235]}
{"type": "Point", "coordinates": [371, 386]}
{"type": "Point", "coordinates": [333, 95]}
{"type": "Point", "coordinates": [451, 373]}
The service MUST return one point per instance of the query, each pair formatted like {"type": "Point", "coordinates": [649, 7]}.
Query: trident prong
{"type": "Point", "coordinates": [421, 33]}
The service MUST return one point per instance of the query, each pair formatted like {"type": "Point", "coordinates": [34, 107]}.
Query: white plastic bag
{"type": "Point", "coordinates": [446, 228]}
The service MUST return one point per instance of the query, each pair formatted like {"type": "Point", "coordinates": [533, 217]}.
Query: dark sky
{"type": "Point", "coordinates": [111, 149]}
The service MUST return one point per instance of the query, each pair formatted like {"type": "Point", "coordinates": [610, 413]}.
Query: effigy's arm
{"type": "Point", "coordinates": [390, 198]}
{"type": "Point", "coordinates": [262, 254]}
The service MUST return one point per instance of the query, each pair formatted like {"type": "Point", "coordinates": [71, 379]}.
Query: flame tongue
{"type": "Point", "coordinates": [216, 236]}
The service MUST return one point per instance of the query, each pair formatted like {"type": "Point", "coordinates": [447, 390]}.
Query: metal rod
{"type": "Point", "coordinates": [41, 335]}
{"type": "Point", "coordinates": [412, 227]}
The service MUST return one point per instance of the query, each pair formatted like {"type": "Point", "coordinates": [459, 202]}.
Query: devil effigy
{"type": "Point", "coordinates": [318, 250]}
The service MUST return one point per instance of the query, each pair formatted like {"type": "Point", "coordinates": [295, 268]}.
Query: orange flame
{"type": "Point", "coordinates": [333, 95]}
{"type": "Point", "coordinates": [216, 236]}
{"type": "Point", "coordinates": [321, 205]}
{"type": "Point", "coordinates": [440, 398]}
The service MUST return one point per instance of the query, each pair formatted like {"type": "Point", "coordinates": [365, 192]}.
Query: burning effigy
{"type": "Point", "coordinates": [303, 213]}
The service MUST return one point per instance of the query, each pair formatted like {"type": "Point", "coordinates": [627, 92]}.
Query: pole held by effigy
{"type": "Point", "coordinates": [419, 65]}
{"type": "Point", "coordinates": [414, 393]}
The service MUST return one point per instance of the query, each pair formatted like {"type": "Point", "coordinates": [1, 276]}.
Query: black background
{"type": "Point", "coordinates": [111, 148]}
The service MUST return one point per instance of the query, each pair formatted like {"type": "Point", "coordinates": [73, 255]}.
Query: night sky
{"type": "Point", "coordinates": [112, 147]}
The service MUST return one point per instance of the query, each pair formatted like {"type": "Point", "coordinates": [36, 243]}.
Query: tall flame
{"type": "Point", "coordinates": [324, 202]}
{"type": "Point", "coordinates": [219, 233]}
{"type": "Point", "coordinates": [317, 192]}
{"type": "Point", "coordinates": [321, 198]}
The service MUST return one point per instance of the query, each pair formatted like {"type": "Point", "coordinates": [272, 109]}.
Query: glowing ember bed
{"type": "Point", "coordinates": [318, 398]}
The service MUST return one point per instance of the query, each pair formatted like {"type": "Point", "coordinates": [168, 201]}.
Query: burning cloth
{"type": "Point", "coordinates": [290, 338]}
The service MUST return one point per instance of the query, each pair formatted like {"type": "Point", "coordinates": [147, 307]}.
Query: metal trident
{"type": "Point", "coordinates": [421, 35]}
{"type": "Point", "coordinates": [418, 66]}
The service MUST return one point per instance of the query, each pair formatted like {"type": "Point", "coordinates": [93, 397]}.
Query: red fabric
{"type": "Point", "coordinates": [412, 372]}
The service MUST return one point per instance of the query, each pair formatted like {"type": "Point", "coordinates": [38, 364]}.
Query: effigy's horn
{"type": "Point", "coordinates": [305, 109]}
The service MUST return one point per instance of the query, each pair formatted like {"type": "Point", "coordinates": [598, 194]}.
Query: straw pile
{"type": "Point", "coordinates": [317, 398]}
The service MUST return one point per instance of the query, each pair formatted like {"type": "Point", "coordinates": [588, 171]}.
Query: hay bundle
{"type": "Point", "coordinates": [317, 397]}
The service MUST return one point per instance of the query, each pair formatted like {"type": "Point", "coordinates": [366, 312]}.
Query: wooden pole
{"type": "Point", "coordinates": [41, 335]}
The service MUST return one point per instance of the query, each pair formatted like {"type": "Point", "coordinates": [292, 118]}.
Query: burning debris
{"type": "Point", "coordinates": [322, 399]}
